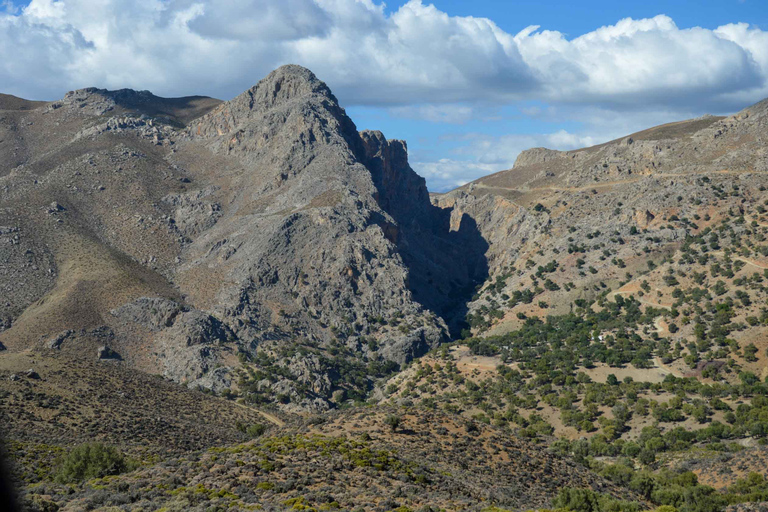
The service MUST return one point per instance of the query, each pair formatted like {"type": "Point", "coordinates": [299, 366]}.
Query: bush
{"type": "Point", "coordinates": [92, 460]}
{"type": "Point", "coordinates": [578, 500]}
{"type": "Point", "coordinates": [393, 421]}
{"type": "Point", "coordinates": [587, 500]}
{"type": "Point", "coordinates": [255, 430]}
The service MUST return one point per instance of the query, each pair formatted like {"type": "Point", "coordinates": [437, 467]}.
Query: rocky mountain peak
{"type": "Point", "coordinates": [276, 228]}
{"type": "Point", "coordinates": [289, 90]}
{"type": "Point", "coordinates": [285, 84]}
{"type": "Point", "coordinates": [535, 156]}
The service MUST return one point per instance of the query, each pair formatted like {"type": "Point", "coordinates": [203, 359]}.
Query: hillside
{"type": "Point", "coordinates": [603, 220]}
{"type": "Point", "coordinates": [206, 240]}
{"type": "Point", "coordinates": [349, 461]}
{"type": "Point", "coordinates": [624, 311]}
{"type": "Point", "coordinates": [254, 306]}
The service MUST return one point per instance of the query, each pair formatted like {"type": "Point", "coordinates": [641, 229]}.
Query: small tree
{"type": "Point", "coordinates": [646, 456]}
{"type": "Point", "coordinates": [92, 460]}
{"type": "Point", "coordinates": [393, 421]}
{"type": "Point", "coordinates": [255, 430]}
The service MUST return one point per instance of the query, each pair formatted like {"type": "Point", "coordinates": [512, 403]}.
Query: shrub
{"type": "Point", "coordinates": [92, 460]}
{"type": "Point", "coordinates": [393, 421]}
{"type": "Point", "coordinates": [255, 430]}
{"type": "Point", "coordinates": [578, 500]}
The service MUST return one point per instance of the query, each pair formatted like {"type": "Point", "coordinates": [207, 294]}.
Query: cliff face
{"type": "Point", "coordinates": [196, 237]}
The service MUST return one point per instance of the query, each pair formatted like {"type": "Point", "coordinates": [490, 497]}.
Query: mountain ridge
{"type": "Point", "coordinates": [605, 309]}
{"type": "Point", "coordinates": [262, 221]}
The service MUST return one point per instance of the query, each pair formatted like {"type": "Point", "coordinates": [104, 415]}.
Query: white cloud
{"type": "Point", "coordinates": [416, 55]}
{"type": "Point", "coordinates": [564, 140]}
{"type": "Point", "coordinates": [648, 61]}
{"type": "Point", "coordinates": [285, 20]}
{"type": "Point", "coordinates": [446, 113]}
{"type": "Point", "coordinates": [478, 155]}
{"type": "Point", "coordinates": [446, 174]}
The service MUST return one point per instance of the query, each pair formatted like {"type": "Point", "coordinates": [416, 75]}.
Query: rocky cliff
{"type": "Point", "coordinates": [260, 244]}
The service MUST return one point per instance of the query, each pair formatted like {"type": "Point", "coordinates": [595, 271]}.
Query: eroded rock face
{"type": "Point", "coordinates": [152, 313]}
{"type": "Point", "coordinates": [261, 232]}
{"type": "Point", "coordinates": [317, 237]}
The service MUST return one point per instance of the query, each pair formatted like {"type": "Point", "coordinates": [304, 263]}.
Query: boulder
{"type": "Point", "coordinates": [105, 353]}
{"type": "Point", "coordinates": [56, 342]}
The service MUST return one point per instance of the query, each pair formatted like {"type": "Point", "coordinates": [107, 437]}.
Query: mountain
{"type": "Point", "coordinates": [624, 313]}
{"type": "Point", "coordinates": [633, 199]}
{"type": "Point", "coordinates": [254, 305]}
{"type": "Point", "coordinates": [200, 239]}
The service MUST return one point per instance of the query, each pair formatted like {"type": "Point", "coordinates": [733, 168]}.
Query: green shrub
{"type": "Point", "coordinates": [578, 500]}
{"type": "Point", "coordinates": [393, 421]}
{"type": "Point", "coordinates": [587, 500]}
{"type": "Point", "coordinates": [256, 430]}
{"type": "Point", "coordinates": [92, 460]}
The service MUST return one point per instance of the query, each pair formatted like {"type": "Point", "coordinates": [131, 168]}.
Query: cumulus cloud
{"type": "Point", "coordinates": [417, 54]}
{"type": "Point", "coordinates": [648, 61]}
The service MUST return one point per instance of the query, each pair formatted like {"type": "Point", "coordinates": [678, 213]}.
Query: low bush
{"type": "Point", "coordinates": [92, 460]}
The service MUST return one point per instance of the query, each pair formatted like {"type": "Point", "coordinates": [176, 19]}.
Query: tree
{"type": "Point", "coordinates": [646, 456]}
{"type": "Point", "coordinates": [749, 353]}
{"type": "Point", "coordinates": [393, 421]}
{"type": "Point", "coordinates": [92, 460]}
{"type": "Point", "coordinates": [255, 430]}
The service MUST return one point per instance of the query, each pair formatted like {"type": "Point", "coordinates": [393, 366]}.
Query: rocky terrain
{"type": "Point", "coordinates": [633, 199]}
{"type": "Point", "coordinates": [252, 305]}
{"type": "Point", "coordinates": [351, 461]}
{"type": "Point", "coordinates": [195, 238]}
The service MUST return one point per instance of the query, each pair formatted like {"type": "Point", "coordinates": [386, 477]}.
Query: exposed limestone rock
{"type": "Point", "coordinates": [56, 342]}
{"type": "Point", "coordinates": [105, 353]}
{"type": "Point", "coordinates": [644, 219]}
{"type": "Point", "coordinates": [152, 313]}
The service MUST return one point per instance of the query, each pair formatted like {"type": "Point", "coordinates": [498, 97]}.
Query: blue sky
{"type": "Point", "coordinates": [467, 84]}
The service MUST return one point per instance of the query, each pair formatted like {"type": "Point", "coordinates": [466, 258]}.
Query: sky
{"type": "Point", "coordinates": [468, 84]}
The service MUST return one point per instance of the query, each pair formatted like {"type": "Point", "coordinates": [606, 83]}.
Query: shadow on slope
{"type": "Point", "coordinates": [176, 111]}
{"type": "Point", "coordinates": [445, 257]}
